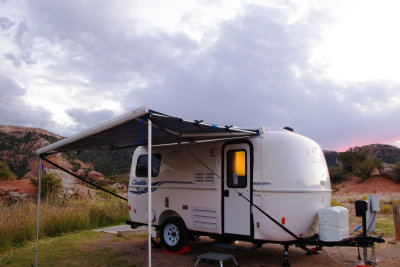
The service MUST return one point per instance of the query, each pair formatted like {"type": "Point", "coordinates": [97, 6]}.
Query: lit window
{"type": "Point", "coordinates": [236, 168]}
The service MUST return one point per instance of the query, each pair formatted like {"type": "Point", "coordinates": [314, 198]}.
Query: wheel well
{"type": "Point", "coordinates": [167, 214]}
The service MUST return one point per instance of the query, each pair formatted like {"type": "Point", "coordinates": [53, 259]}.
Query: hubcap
{"type": "Point", "coordinates": [171, 234]}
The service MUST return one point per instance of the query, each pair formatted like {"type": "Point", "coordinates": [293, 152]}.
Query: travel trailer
{"type": "Point", "coordinates": [209, 188]}
{"type": "Point", "coordinates": [266, 185]}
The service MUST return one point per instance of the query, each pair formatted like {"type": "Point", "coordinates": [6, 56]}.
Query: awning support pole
{"type": "Point", "coordinates": [149, 156]}
{"type": "Point", "coordinates": [38, 210]}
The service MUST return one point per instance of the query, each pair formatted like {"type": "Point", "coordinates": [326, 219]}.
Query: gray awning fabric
{"type": "Point", "coordinates": [130, 130]}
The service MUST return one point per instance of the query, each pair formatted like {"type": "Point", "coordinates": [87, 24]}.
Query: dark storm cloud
{"type": "Point", "coordinates": [16, 61]}
{"type": "Point", "coordinates": [13, 111]}
{"type": "Point", "coordinates": [24, 42]}
{"type": "Point", "coordinates": [5, 23]}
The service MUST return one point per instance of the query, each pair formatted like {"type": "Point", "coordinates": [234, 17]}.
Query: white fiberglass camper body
{"type": "Point", "coordinates": [209, 188]}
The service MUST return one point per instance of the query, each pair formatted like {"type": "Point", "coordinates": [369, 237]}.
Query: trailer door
{"type": "Point", "coordinates": [236, 185]}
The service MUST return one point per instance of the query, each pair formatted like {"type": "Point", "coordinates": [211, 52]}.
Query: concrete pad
{"type": "Point", "coordinates": [114, 229]}
{"type": "Point", "coordinates": [123, 230]}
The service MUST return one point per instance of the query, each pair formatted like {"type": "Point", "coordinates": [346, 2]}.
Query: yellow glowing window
{"type": "Point", "coordinates": [239, 165]}
{"type": "Point", "coordinates": [236, 168]}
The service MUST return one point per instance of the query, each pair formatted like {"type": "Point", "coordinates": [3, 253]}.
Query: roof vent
{"type": "Point", "coordinates": [288, 128]}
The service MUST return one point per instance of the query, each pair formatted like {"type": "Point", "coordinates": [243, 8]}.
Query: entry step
{"type": "Point", "coordinates": [221, 257]}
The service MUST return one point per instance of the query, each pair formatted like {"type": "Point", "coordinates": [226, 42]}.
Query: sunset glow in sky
{"type": "Point", "coordinates": [329, 69]}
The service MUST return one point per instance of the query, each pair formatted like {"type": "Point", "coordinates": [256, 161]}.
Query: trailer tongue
{"type": "Point", "coordinates": [362, 240]}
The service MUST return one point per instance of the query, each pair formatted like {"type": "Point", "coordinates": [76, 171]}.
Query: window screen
{"type": "Point", "coordinates": [141, 166]}
{"type": "Point", "coordinates": [236, 169]}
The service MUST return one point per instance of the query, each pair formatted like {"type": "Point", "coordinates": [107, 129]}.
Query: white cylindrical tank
{"type": "Point", "coordinates": [293, 186]}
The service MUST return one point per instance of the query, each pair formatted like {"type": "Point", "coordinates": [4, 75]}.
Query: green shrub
{"type": "Point", "coordinates": [386, 209]}
{"type": "Point", "coordinates": [50, 186]}
{"type": "Point", "coordinates": [6, 173]}
{"type": "Point", "coordinates": [358, 162]}
{"type": "Point", "coordinates": [363, 169]}
{"type": "Point", "coordinates": [396, 202]}
{"type": "Point", "coordinates": [337, 175]}
{"type": "Point", "coordinates": [334, 202]}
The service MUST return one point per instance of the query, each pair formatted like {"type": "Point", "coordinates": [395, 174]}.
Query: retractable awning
{"type": "Point", "coordinates": [130, 130]}
{"type": "Point", "coordinates": [142, 126]}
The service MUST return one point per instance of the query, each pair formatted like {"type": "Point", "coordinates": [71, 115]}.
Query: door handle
{"type": "Point", "coordinates": [226, 193]}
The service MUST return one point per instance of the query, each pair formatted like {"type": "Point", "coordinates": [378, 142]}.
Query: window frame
{"type": "Point", "coordinates": [145, 175]}
{"type": "Point", "coordinates": [229, 177]}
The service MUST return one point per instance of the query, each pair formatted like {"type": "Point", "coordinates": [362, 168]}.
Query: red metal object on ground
{"type": "Point", "coordinates": [182, 251]}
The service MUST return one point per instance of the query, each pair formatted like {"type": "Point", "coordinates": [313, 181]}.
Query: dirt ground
{"type": "Point", "coordinates": [23, 186]}
{"type": "Point", "coordinates": [382, 187]}
{"type": "Point", "coordinates": [268, 256]}
{"type": "Point", "coordinates": [271, 254]}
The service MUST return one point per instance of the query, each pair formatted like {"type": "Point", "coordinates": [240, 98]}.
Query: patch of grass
{"type": "Point", "coordinates": [334, 202]}
{"type": "Point", "coordinates": [396, 202]}
{"type": "Point", "coordinates": [18, 222]}
{"type": "Point", "coordinates": [386, 209]}
{"type": "Point", "coordinates": [78, 249]}
{"type": "Point", "coordinates": [385, 224]}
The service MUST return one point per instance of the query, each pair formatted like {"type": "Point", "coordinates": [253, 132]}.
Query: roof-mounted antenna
{"type": "Point", "coordinates": [288, 128]}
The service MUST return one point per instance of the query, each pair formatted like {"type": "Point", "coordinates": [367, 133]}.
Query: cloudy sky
{"type": "Point", "coordinates": [329, 69]}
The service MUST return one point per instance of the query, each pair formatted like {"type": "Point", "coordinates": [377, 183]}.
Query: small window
{"type": "Point", "coordinates": [236, 169]}
{"type": "Point", "coordinates": [141, 166]}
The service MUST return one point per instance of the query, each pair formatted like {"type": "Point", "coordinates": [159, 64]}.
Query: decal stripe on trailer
{"type": "Point", "coordinates": [142, 186]}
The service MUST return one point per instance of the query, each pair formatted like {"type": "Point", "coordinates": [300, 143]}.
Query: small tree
{"type": "Point", "coordinates": [50, 186]}
{"type": "Point", "coordinates": [348, 159]}
{"type": "Point", "coordinates": [6, 173]}
{"type": "Point", "coordinates": [363, 169]}
{"type": "Point", "coordinates": [357, 161]}
{"type": "Point", "coordinates": [337, 174]}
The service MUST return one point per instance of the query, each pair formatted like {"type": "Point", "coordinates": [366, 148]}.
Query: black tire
{"type": "Point", "coordinates": [174, 235]}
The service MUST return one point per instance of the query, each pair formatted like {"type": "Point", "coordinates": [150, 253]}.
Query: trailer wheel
{"type": "Point", "coordinates": [174, 234]}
